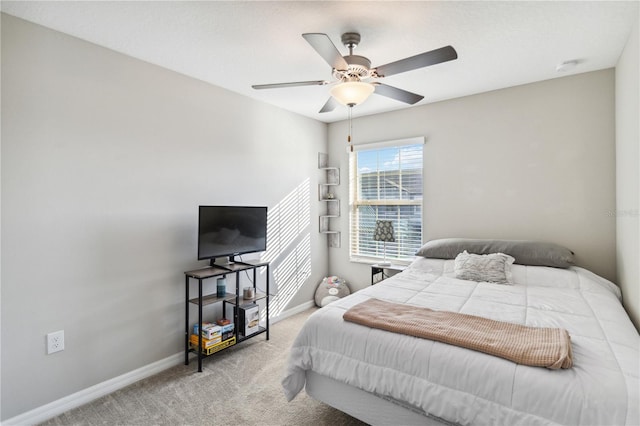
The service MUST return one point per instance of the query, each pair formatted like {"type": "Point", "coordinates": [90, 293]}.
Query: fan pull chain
{"type": "Point", "coordinates": [350, 130]}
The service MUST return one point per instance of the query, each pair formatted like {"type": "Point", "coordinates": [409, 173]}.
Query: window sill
{"type": "Point", "coordinates": [373, 260]}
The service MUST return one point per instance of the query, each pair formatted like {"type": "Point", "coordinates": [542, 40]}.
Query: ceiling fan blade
{"type": "Point", "coordinates": [397, 94]}
{"type": "Point", "coordinates": [330, 105]}
{"type": "Point", "coordinates": [325, 48]}
{"type": "Point", "coordinates": [294, 84]}
{"type": "Point", "coordinates": [422, 60]}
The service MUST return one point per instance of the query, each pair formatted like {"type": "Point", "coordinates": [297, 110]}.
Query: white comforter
{"type": "Point", "coordinates": [467, 387]}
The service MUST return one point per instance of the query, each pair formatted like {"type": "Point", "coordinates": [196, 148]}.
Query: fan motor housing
{"type": "Point", "coordinates": [358, 67]}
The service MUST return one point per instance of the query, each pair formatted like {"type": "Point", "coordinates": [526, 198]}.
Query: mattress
{"type": "Point", "coordinates": [462, 386]}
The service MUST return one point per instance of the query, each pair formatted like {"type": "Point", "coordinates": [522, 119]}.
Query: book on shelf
{"type": "Point", "coordinates": [215, 348]}
{"type": "Point", "coordinates": [206, 343]}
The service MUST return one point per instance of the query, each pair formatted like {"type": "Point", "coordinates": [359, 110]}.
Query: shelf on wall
{"type": "Point", "coordinates": [327, 194]}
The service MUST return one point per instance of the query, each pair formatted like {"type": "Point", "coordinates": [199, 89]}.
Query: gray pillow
{"type": "Point", "coordinates": [524, 252]}
{"type": "Point", "coordinates": [493, 268]}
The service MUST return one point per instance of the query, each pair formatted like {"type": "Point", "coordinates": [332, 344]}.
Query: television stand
{"type": "Point", "coordinates": [235, 299]}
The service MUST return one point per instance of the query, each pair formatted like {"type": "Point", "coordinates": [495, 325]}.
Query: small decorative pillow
{"type": "Point", "coordinates": [493, 268]}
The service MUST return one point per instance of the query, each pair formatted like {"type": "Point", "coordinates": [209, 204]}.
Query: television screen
{"type": "Point", "coordinates": [231, 230]}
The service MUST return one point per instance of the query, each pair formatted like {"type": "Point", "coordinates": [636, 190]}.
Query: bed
{"type": "Point", "coordinates": [382, 377]}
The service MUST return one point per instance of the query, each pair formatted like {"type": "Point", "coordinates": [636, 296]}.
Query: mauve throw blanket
{"type": "Point", "coordinates": [534, 346]}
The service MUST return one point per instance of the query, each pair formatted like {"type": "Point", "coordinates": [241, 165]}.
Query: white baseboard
{"type": "Point", "coordinates": [84, 396]}
{"type": "Point", "coordinates": [75, 400]}
{"type": "Point", "coordinates": [293, 311]}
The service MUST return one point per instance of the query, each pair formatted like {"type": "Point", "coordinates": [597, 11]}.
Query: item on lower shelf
{"type": "Point", "coordinates": [227, 331]}
{"type": "Point", "coordinates": [206, 343]}
{"type": "Point", "coordinates": [196, 327]}
{"type": "Point", "coordinates": [249, 318]}
{"type": "Point", "coordinates": [215, 348]}
{"type": "Point", "coordinates": [223, 322]}
{"type": "Point", "coordinates": [210, 331]}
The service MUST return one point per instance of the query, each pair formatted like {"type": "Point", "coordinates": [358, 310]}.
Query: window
{"type": "Point", "coordinates": [386, 184]}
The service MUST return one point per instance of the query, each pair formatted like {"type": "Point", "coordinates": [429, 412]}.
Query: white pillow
{"type": "Point", "coordinates": [493, 268]}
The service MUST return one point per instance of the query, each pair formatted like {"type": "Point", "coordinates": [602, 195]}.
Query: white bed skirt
{"type": "Point", "coordinates": [365, 406]}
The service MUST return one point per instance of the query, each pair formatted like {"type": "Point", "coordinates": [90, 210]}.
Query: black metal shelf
{"type": "Point", "coordinates": [234, 299]}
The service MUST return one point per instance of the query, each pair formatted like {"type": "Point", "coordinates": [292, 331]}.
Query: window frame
{"type": "Point", "coordinates": [355, 255]}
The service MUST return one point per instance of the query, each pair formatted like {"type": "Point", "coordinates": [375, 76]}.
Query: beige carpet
{"type": "Point", "coordinates": [238, 386]}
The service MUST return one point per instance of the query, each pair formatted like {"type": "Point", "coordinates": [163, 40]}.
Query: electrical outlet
{"type": "Point", "coordinates": [55, 342]}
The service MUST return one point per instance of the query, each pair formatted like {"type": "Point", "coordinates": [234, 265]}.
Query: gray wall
{"type": "Point", "coordinates": [627, 176]}
{"type": "Point", "coordinates": [530, 162]}
{"type": "Point", "coordinates": [105, 160]}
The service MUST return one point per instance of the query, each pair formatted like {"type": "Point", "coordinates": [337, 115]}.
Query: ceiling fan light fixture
{"type": "Point", "coordinates": [351, 93]}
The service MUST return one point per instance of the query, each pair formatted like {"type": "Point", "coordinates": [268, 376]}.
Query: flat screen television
{"type": "Point", "coordinates": [229, 231]}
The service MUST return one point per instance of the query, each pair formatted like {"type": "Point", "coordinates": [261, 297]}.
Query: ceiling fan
{"type": "Point", "coordinates": [355, 79]}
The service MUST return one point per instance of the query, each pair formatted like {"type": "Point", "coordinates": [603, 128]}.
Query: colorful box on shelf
{"type": "Point", "coordinates": [211, 331]}
{"type": "Point", "coordinates": [227, 331]}
{"type": "Point", "coordinates": [222, 322]}
{"type": "Point", "coordinates": [217, 347]}
{"type": "Point", "coordinates": [206, 343]}
{"type": "Point", "coordinates": [196, 326]}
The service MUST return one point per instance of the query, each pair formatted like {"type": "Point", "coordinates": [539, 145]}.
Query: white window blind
{"type": "Point", "coordinates": [386, 184]}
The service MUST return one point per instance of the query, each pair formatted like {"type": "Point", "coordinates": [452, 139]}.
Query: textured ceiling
{"type": "Point", "coordinates": [237, 44]}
